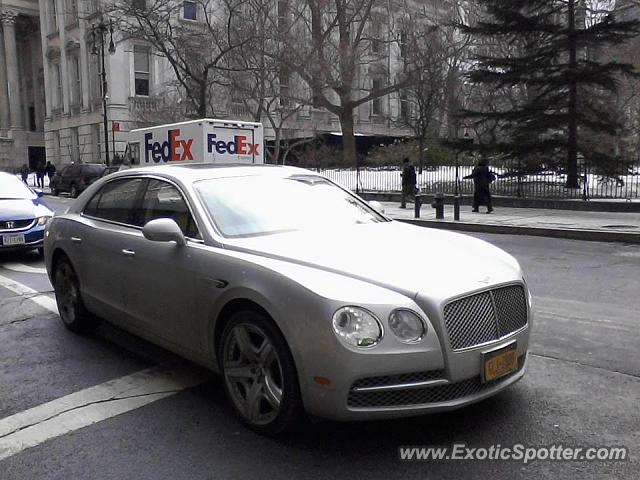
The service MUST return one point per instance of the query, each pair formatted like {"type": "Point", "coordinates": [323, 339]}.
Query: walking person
{"type": "Point", "coordinates": [24, 173]}
{"type": "Point", "coordinates": [482, 178]}
{"type": "Point", "coordinates": [50, 170]}
{"type": "Point", "coordinates": [40, 170]}
{"type": "Point", "coordinates": [409, 181]}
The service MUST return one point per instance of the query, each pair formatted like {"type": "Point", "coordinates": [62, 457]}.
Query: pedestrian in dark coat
{"type": "Point", "coordinates": [40, 170]}
{"type": "Point", "coordinates": [24, 172]}
{"type": "Point", "coordinates": [50, 170]}
{"type": "Point", "coordinates": [409, 181]}
{"type": "Point", "coordinates": [482, 177]}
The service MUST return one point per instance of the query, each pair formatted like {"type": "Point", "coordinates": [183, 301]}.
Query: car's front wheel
{"type": "Point", "coordinates": [71, 308]}
{"type": "Point", "coordinates": [259, 374]}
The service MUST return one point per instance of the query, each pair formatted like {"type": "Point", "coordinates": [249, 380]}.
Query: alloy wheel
{"type": "Point", "coordinates": [253, 374]}
{"type": "Point", "coordinates": [67, 294]}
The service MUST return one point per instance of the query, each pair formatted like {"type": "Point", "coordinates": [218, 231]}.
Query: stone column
{"type": "Point", "coordinates": [11, 55]}
{"type": "Point", "coordinates": [4, 92]}
{"type": "Point", "coordinates": [38, 87]}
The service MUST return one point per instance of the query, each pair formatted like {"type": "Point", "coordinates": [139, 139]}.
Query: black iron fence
{"type": "Point", "coordinates": [616, 182]}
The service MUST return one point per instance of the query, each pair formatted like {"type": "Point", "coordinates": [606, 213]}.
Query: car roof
{"type": "Point", "coordinates": [190, 172]}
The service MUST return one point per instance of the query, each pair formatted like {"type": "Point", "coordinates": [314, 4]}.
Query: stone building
{"type": "Point", "coordinates": [56, 47]}
{"type": "Point", "coordinates": [22, 89]}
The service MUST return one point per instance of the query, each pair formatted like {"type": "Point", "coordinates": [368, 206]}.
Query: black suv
{"type": "Point", "coordinates": [76, 177]}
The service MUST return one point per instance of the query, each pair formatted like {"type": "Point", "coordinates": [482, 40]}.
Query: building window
{"type": "Point", "coordinates": [76, 78]}
{"type": "Point", "coordinates": [403, 44]}
{"type": "Point", "coordinates": [376, 103]}
{"type": "Point", "coordinates": [56, 145]}
{"type": "Point", "coordinates": [283, 15]}
{"type": "Point", "coordinates": [376, 36]}
{"type": "Point", "coordinates": [141, 67]}
{"type": "Point", "coordinates": [284, 79]}
{"type": "Point", "coordinates": [97, 137]}
{"type": "Point", "coordinates": [58, 73]}
{"type": "Point", "coordinates": [72, 11]}
{"type": "Point", "coordinates": [75, 144]}
{"type": "Point", "coordinates": [139, 4]}
{"type": "Point", "coordinates": [32, 118]}
{"type": "Point", "coordinates": [189, 10]}
{"type": "Point", "coordinates": [53, 18]}
{"type": "Point", "coordinates": [404, 106]}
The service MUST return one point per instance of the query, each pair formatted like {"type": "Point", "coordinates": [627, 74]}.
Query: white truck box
{"type": "Point", "coordinates": [205, 140]}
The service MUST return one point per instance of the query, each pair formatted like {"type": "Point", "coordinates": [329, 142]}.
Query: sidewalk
{"type": "Point", "coordinates": [578, 225]}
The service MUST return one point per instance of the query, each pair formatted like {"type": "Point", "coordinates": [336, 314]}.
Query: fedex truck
{"type": "Point", "coordinates": [206, 140]}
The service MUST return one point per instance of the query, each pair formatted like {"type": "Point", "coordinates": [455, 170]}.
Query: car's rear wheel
{"type": "Point", "coordinates": [259, 374]}
{"type": "Point", "coordinates": [74, 191]}
{"type": "Point", "coordinates": [71, 308]}
{"type": "Point", "coordinates": [54, 191]}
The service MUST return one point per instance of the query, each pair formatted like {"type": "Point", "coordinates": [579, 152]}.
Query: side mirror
{"type": "Point", "coordinates": [163, 230]}
{"type": "Point", "coordinates": [376, 206]}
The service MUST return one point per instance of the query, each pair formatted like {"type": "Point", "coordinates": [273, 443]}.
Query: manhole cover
{"type": "Point", "coordinates": [620, 226]}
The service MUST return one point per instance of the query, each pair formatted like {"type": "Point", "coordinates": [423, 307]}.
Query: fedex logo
{"type": "Point", "coordinates": [239, 145]}
{"type": "Point", "coordinates": [172, 149]}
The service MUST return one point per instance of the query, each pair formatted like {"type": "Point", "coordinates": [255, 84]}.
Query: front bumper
{"type": "Point", "coordinates": [34, 238]}
{"type": "Point", "coordinates": [391, 381]}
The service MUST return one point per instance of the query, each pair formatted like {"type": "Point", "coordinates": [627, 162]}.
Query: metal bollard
{"type": "Point", "coordinates": [456, 208]}
{"type": "Point", "coordinates": [418, 205]}
{"type": "Point", "coordinates": [438, 205]}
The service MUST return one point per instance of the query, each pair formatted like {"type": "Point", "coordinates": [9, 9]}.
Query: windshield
{"type": "Point", "coordinates": [12, 188]}
{"type": "Point", "coordinates": [250, 206]}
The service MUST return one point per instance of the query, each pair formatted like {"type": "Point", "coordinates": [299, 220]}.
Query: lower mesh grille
{"type": "Point", "coordinates": [423, 396]}
{"type": "Point", "coordinates": [398, 379]}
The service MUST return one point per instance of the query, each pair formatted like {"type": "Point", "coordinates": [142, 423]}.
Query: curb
{"type": "Point", "coordinates": [565, 233]}
{"type": "Point", "coordinates": [594, 205]}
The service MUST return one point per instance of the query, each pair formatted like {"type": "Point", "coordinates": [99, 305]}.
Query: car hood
{"type": "Point", "coordinates": [403, 257]}
{"type": "Point", "coordinates": [22, 209]}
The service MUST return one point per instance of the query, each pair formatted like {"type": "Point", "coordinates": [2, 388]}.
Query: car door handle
{"type": "Point", "coordinates": [128, 253]}
{"type": "Point", "coordinates": [76, 240]}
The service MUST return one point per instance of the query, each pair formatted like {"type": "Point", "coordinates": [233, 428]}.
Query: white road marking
{"type": "Point", "coordinates": [20, 289]}
{"type": "Point", "coordinates": [22, 268]}
{"type": "Point", "coordinates": [86, 407]}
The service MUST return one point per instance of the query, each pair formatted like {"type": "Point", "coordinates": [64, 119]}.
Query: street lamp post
{"type": "Point", "coordinates": [100, 30]}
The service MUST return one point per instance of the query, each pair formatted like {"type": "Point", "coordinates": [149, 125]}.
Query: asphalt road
{"type": "Point", "coordinates": [582, 389]}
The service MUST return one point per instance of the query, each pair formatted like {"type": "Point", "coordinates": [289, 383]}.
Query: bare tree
{"type": "Point", "coordinates": [332, 46]}
{"type": "Point", "coordinates": [198, 52]}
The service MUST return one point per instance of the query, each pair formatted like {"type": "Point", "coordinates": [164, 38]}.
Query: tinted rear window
{"type": "Point", "coordinates": [93, 170]}
{"type": "Point", "coordinates": [115, 201]}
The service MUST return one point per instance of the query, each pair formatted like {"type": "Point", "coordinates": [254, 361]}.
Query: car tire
{"type": "Point", "coordinates": [71, 308]}
{"type": "Point", "coordinates": [259, 373]}
{"type": "Point", "coordinates": [54, 191]}
{"type": "Point", "coordinates": [73, 192]}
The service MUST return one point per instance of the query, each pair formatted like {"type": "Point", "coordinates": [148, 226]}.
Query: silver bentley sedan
{"type": "Point", "coordinates": [305, 298]}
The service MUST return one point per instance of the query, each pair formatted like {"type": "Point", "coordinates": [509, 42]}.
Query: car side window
{"type": "Point", "coordinates": [115, 201]}
{"type": "Point", "coordinates": [163, 200]}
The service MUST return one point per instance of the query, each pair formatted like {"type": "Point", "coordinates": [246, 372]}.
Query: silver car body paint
{"type": "Point", "coordinates": [173, 295]}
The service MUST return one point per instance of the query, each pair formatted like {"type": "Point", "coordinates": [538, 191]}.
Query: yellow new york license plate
{"type": "Point", "coordinates": [500, 363]}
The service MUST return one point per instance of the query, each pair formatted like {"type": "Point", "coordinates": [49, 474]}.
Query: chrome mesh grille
{"type": "Point", "coordinates": [398, 379]}
{"type": "Point", "coordinates": [422, 396]}
{"type": "Point", "coordinates": [485, 316]}
{"type": "Point", "coordinates": [511, 309]}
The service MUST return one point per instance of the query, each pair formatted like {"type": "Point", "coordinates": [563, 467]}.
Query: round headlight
{"type": "Point", "coordinates": [357, 327]}
{"type": "Point", "coordinates": [407, 325]}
